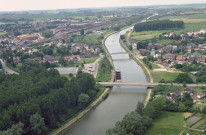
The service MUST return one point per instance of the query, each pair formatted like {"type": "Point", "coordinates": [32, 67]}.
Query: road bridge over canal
{"type": "Point", "coordinates": [145, 84]}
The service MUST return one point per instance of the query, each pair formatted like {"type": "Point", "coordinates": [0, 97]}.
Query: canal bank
{"type": "Point", "coordinates": [95, 103]}
{"type": "Point", "coordinates": [144, 67]}
{"type": "Point", "coordinates": [120, 101]}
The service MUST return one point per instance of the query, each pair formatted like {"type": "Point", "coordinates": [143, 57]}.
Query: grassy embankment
{"type": "Point", "coordinates": [104, 71]}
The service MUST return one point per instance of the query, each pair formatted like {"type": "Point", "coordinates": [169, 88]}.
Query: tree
{"type": "Point", "coordinates": [183, 77]}
{"type": "Point", "coordinates": [187, 100]}
{"type": "Point", "coordinates": [61, 61]}
{"type": "Point", "coordinates": [16, 129]}
{"type": "Point", "coordinates": [140, 107]}
{"type": "Point", "coordinates": [83, 99]}
{"type": "Point", "coordinates": [37, 124]}
{"type": "Point", "coordinates": [47, 51]}
{"type": "Point", "coordinates": [47, 33]}
{"type": "Point", "coordinates": [122, 37]}
{"type": "Point", "coordinates": [204, 110]}
{"type": "Point", "coordinates": [132, 124]}
{"type": "Point", "coordinates": [182, 107]}
{"type": "Point", "coordinates": [130, 47]}
{"type": "Point", "coordinates": [82, 32]}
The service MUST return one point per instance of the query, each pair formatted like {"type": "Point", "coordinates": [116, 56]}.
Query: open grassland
{"type": "Point", "coordinates": [88, 39]}
{"type": "Point", "coordinates": [89, 60]}
{"type": "Point", "coordinates": [144, 35]}
{"type": "Point", "coordinates": [167, 76]}
{"type": "Point", "coordinates": [154, 66]}
{"type": "Point", "coordinates": [168, 123]}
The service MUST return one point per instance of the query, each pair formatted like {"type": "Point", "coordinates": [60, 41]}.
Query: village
{"type": "Point", "coordinates": [168, 55]}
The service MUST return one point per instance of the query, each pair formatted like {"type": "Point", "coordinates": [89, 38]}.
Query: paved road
{"type": "Point", "coordinates": [92, 68]}
{"type": "Point", "coordinates": [6, 69]}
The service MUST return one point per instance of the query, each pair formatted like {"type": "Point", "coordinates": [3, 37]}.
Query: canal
{"type": "Point", "coordinates": [120, 101]}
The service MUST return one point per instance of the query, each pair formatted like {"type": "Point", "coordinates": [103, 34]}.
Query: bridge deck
{"type": "Point", "coordinates": [146, 84]}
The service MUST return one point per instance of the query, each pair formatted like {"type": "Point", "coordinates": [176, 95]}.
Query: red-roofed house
{"type": "Point", "coordinates": [181, 58]}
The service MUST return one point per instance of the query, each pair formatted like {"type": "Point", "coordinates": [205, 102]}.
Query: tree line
{"type": "Point", "coordinates": [158, 25]}
{"type": "Point", "coordinates": [38, 100]}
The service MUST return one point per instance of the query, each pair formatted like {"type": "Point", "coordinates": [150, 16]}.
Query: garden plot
{"type": "Point", "coordinates": [194, 119]}
{"type": "Point", "coordinates": [202, 126]}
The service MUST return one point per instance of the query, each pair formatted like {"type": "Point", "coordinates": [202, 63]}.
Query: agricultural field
{"type": "Point", "coordinates": [167, 76]}
{"type": "Point", "coordinates": [196, 122]}
{"type": "Point", "coordinates": [168, 123]}
{"type": "Point", "coordinates": [194, 22]}
{"type": "Point", "coordinates": [192, 120]}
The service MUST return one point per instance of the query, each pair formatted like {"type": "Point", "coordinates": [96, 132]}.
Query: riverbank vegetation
{"type": "Point", "coordinates": [39, 100]}
{"type": "Point", "coordinates": [104, 70]}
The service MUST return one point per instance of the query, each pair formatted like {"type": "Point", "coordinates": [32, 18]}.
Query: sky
{"type": "Point", "coordinates": [18, 5]}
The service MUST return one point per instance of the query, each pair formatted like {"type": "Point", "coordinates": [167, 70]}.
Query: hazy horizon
{"type": "Point", "coordinates": [22, 5]}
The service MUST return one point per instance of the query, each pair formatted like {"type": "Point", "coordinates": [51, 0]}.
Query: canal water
{"type": "Point", "coordinates": [121, 100]}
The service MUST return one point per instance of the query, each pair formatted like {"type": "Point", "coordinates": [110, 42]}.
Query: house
{"type": "Point", "coordinates": [134, 46]}
{"type": "Point", "coordinates": [189, 90]}
{"type": "Point", "coordinates": [143, 51]}
{"type": "Point", "coordinates": [201, 60]}
{"type": "Point", "coordinates": [199, 96]}
{"type": "Point", "coordinates": [169, 56]}
{"type": "Point", "coordinates": [202, 31]}
{"type": "Point", "coordinates": [196, 33]}
{"type": "Point", "coordinates": [189, 33]}
{"type": "Point", "coordinates": [181, 58]}
{"type": "Point", "coordinates": [175, 96]}
{"type": "Point", "coordinates": [67, 58]}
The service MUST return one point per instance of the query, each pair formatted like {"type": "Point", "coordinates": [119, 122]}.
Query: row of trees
{"type": "Point", "coordinates": [38, 99]}
{"type": "Point", "coordinates": [147, 63]}
{"type": "Point", "coordinates": [158, 25]}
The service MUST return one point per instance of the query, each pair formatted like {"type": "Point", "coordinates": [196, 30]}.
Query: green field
{"type": "Point", "coordinates": [88, 39]}
{"type": "Point", "coordinates": [154, 66]}
{"type": "Point", "coordinates": [167, 76]}
{"type": "Point", "coordinates": [186, 16]}
{"type": "Point", "coordinates": [194, 22]}
{"type": "Point", "coordinates": [90, 60]}
{"type": "Point", "coordinates": [168, 123]}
